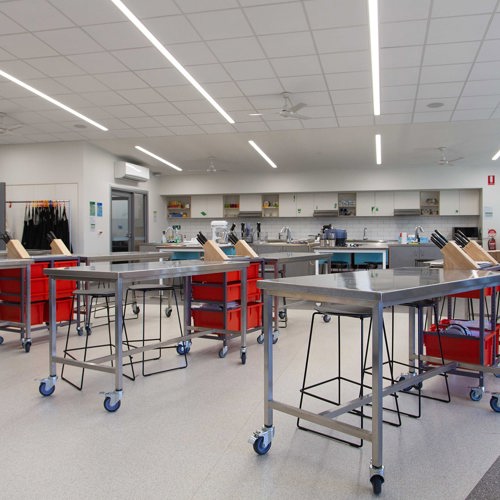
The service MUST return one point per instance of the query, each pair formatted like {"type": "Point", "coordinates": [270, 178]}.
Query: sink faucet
{"type": "Point", "coordinates": [287, 233]}
{"type": "Point", "coordinates": [418, 230]}
{"type": "Point", "coordinates": [365, 234]}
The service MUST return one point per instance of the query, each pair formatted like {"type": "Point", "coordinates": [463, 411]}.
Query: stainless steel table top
{"type": "Point", "coordinates": [286, 257]}
{"type": "Point", "coordinates": [385, 286]}
{"type": "Point", "coordinates": [144, 270]}
{"type": "Point", "coordinates": [124, 256]}
{"type": "Point", "coordinates": [15, 263]}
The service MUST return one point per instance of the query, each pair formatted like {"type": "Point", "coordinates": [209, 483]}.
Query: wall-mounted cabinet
{"type": "Point", "coordinates": [178, 207]}
{"type": "Point", "coordinates": [407, 200]}
{"type": "Point", "coordinates": [459, 202]}
{"type": "Point", "coordinates": [325, 203]}
{"type": "Point", "coordinates": [347, 204]}
{"type": "Point", "coordinates": [296, 205]}
{"type": "Point", "coordinates": [231, 206]}
{"type": "Point", "coordinates": [270, 205]}
{"type": "Point", "coordinates": [250, 203]}
{"type": "Point", "coordinates": [206, 206]}
{"type": "Point", "coordinates": [429, 202]}
{"type": "Point", "coordinates": [375, 203]}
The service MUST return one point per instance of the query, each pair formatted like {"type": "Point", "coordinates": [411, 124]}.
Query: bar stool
{"type": "Point", "coordinates": [144, 289]}
{"type": "Point", "coordinates": [343, 311]}
{"type": "Point", "coordinates": [91, 298]}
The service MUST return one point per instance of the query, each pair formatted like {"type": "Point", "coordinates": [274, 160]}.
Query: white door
{"type": "Point", "coordinates": [288, 207]}
{"type": "Point", "coordinates": [365, 203]}
{"type": "Point", "coordinates": [384, 203]}
{"type": "Point", "coordinates": [449, 202]}
{"type": "Point", "coordinates": [469, 202]}
{"type": "Point", "coordinates": [206, 207]}
{"type": "Point", "coordinates": [326, 201]}
{"type": "Point", "coordinates": [250, 202]}
{"type": "Point", "coordinates": [407, 200]}
{"type": "Point", "coordinates": [304, 204]}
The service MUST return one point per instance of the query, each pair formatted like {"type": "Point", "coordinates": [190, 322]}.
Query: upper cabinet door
{"type": "Point", "coordinates": [304, 204]}
{"type": "Point", "coordinates": [365, 203]}
{"type": "Point", "coordinates": [288, 207]}
{"type": "Point", "coordinates": [206, 206]}
{"type": "Point", "coordinates": [384, 203]}
{"type": "Point", "coordinates": [406, 200]}
{"type": "Point", "coordinates": [250, 202]}
{"type": "Point", "coordinates": [469, 202]}
{"type": "Point", "coordinates": [326, 201]}
{"type": "Point", "coordinates": [449, 202]}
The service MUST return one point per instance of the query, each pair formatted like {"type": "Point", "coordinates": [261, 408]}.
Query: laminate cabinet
{"type": "Point", "coordinates": [206, 206]}
{"type": "Point", "coordinates": [459, 202]}
{"type": "Point", "coordinates": [326, 201]}
{"type": "Point", "coordinates": [375, 203]}
{"type": "Point", "coordinates": [406, 200]}
{"type": "Point", "coordinates": [411, 255]}
{"type": "Point", "coordinates": [250, 203]}
{"type": "Point", "coordinates": [296, 205]}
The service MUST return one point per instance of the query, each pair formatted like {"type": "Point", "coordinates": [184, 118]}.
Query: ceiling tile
{"type": "Point", "coordinates": [296, 66]}
{"type": "Point", "coordinates": [483, 101]}
{"type": "Point", "coordinates": [200, 106]}
{"type": "Point", "coordinates": [162, 77]}
{"type": "Point", "coordinates": [237, 49]}
{"type": "Point", "coordinates": [206, 118]}
{"type": "Point", "coordinates": [355, 121]}
{"type": "Point", "coordinates": [355, 80]}
{"type": "Point", "coordinates": [251, 127]}
{"type": "Point", "coordinates": [482, 87]}
{"type": "Point", "coordinates": [35, 15]}
{"type": "Point", "coordinates": [114, 124]}
{"type": "Point", "coordinates": [21, 70]}
{"type": "Point", "coordinates": [391, 107]}
{"type": "Point", "coordinates": [223, 89]}
{"type": "Point", "coordinates": [105, 98]}
{"type": "Point", "coordinates": [471, 114]}
{"type": "Point", "coordinates": [395, 119]}
{"type": "Point", "coordinates": [437, 90]}
{"type": "Point", "coordinates": [187, 130]}
{"type": "Point", "coordinates": [317, 111]}
{"type": "Point", "coordinates": [261, 86]}
{"type": "Point", "coordinates": [443, 8]}
{"type": "Point", "coordinates": [117, 36]}
{"type": "Point", "coordinates": [158, 108]}
{"type": "Point", "coordinates": [250, 3]}
{"type": "Point", "coordinates": [243, 116]}
{"type": "Point", "coordinates": [48, 86]}
{"type": "Point", "coordinates": [400, 57]}
{"type": "Point", "coordinates": [82, 83]}
{"type": "Point", "coordinates": [189, 6]}
{"type": "Point", "coordinates": [346, 62]}
{"type": "Point", "coordinates": [457, 29]}
{"type": "Point", "coordinates": [269, 19]}
{"type": "Point", "coordinates": [172, 29]}
{"type": "Point", "coordinates": [192, 53]}
{"type": "Point", "coordinates": [220, 24]}
{"type": "Point", "coordinates": [209, 73]}
{"type": "Point", "coordinates": [141, 96]}
{"type": "Point", "coordinates": [285, 125]}
{"type": "Point", "coordinates": [398, 76]}
{"type": "Point", "coordinates": [354, 38]}
{"type": "Point", "coordinates": [249, 70]}
{"type": "Point", "coordinates": [353, 109]}
{"type": "Point", "coordinates": [69, 41]}
{"type": "Point", "coordinates": [352, 96]}
{"type": "Point", "coordinates": [435, 116]}
{"type": "Point", "coordinates": [334, 13]}
{"type": "Point", "coordinates": [121, 80]}
{"type": "Point", "coordinates": [235, 103]}
{"type": "Point", "coordinates": [89, 12]}
{"type": "Point", "coordinates": [398, 92]}
{"type": "Point", "coordinates": [8, 26]}
{"type": "Point", "coordinates": [33, 103]}
{"type": "Point", "coordinates": [446, 73]}
{"type": "Point", "coordinates": [312, 83]}
{"type": "Point", "coordinates": [403, 10]}
{"type": "Point", "coordinates": [288, 44]}
{"type": "Point", "coordinates": [490, 50]}
{"type": "Point", "coordinates": [155, 131]}
{"type": "Point", "coordinates": [219, 128]}
{"type": "Point", "coordinates": [485, 71]}
{"type": "Point", "coordinates": [266, 102]}
{"type": "Point", "coordinates": [98, 62]}
{"type": "Point", "coordinates": [25, 45]}
{"type": "Point", "coordinates": [174, 120]}
{"type": "Point", "coordinates": [141, 122]}
{"type": "Point", "coordinates": [5, 56]}
{"type": "Point", "coordinates": [137, 59]}
{"type": "Point", "coordinates": [452, 53]}
{"type": "Point", "coordinates": [152, 8]}
{"type": "Point", "coordinates": [56, 66]}
{"type": "Point", "coordinates": [126, 134]}
{"type": "Point", "coordinates": [179, 93]}
{"type": "Point", "coordinates": [449, 103]}
{"type": "Point", "coordinates": [494, 30]}
{"type": "Point", "coordinates": [124, 111]}
{"type": "Point", "coordinates": [402, 33]}
{"type": "Point", "coordinates": [320, 123]}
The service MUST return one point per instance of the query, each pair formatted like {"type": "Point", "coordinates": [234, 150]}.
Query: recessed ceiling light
{"type": "Point", "coordinates": [13, 79]}
{"type": "Point", "coordinates": [254, 114]}
{"type": "Point", "coordinates": [138, 24]}
{"type": "Point", "coordinates": [378, 149]}
{"type": "Point", "coordinates": [271, 162]}
{"type": "Point", "coordinates": [435, 105]}
{"type": "Point", "coordinates": [374, 50]}
{"type": "Point", "coordinates": [159, 158]}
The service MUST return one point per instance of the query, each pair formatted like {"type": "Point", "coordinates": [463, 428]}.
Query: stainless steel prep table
{"type": "Point", "coordinates": [375, 289]}
{"type": "Point", "coordinates": [363, 249]}
{"type": "Point", "coordinates": [118, 275]}
{"type": "Point", "coordinates": [124, 257]}
{"type": "Point", "coordinates": [277, 259]}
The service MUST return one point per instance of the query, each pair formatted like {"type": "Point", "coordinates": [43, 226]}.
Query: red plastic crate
{"type": "Point", "coordinates": [473, 294]}
{"type": "Point", "coordinates": [217, 277]}
{"type": "Point", "coordinates": [215, 319]}
{"type": "Point", "coordinates": [11, 290]}
{"type": "Point", "coordinates": [216, 292]}
{"type": "Point", "coordinates": [63, 310]}
{"type": "Point", "coordinates": [253, 270]}
{"type": "Point", "coordinates": [254, 315]}
{"type": "Point", "coordinates": [64, 288]}
{"type": "Point", "coordinates": [12, 312]}
{"type": "Point", "coordinates": [460, 347]}
{"type": "Point", "coordinates": [253, 293]}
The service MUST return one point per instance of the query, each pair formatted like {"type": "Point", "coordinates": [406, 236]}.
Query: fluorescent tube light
{"type": "Point", "coordinates": [138, 24]}
{"type": "Point", "coordinates": [378, 149]}
{"type": "Point", "coordinates": [496, 156]}
{"type": "Point", "coordinates": [159, 158]}
{"type": "Point", "coordinates": [374, 48]}
{"type": "Point", "coordinates": [13, 79]}
{"type": "Point", "coordinates": [271, 162]}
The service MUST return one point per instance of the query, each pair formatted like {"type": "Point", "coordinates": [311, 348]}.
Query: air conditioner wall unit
{"type": "Point", "coordinates": [125, 170]}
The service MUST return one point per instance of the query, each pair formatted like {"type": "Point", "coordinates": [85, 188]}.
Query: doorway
{"type": "Point", "coordinates": [128, 220]}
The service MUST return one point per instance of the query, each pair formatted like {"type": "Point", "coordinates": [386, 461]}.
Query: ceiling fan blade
{"type": "Point", "coordinates": [456, 159]}
{"type": "Point", "coordinates": [300, 117]}
{"type": "Point", "coordinates": [298, 106]}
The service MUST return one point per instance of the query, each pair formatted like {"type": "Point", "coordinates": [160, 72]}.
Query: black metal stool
{"type": "Point", "coordinates": [91, 298]}
{"type": "Point", "coordinates": [346, 311]}
{"type": "Point", "coordinates": [160, 289]}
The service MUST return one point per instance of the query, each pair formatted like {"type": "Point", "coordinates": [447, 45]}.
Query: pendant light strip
{"type": "Point", "coordinates": [159, 158]}
{"type": "Point", "coordinates": [271, 162]}
{"type": "Point", "coordinates": [375, 57]}
{"type": "Point", "coordinates": [378, 149]}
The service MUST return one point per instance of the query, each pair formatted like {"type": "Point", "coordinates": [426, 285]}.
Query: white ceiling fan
{"type": "Point", "coordinates": [211, 168]}
{"type": "Point", "coordinates": [6, 129]}
{"type": "Point", "coordinates": [289, 110]}
{"type": "Point", "coordinates": [445, 160]}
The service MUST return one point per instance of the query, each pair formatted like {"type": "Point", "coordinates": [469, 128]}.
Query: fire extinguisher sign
{"type": "Point", "coordinates": [491, 180]}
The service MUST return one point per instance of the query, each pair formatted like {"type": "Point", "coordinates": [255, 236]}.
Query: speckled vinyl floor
{"type": "Point", "coordinates": [184, 434]}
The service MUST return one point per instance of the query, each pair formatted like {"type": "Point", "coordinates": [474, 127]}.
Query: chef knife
{"type": "Point", "coordinates": [462, 235]}
{"type": "Point", "coordinates": [461, 241]}
{"type": "Point", "coordinates": [441, 239]}
{"type": "Point", "coordinates": [441, 236]}
{"type": "Point", "coordinates": [436, 241]}
{"type": "Point", "coordinates": [242, 229]}
{"type": "Point", "coordinates": [258, 230]}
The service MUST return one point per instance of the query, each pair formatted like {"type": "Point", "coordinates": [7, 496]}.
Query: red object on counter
{"type": "Point", "coordinates": [492, 242]}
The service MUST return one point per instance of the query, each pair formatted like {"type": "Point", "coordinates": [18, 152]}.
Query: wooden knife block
{"type": "Point", "coordinates": [15, 250]}
{"type": "Point", "coordinates": [244, 249]}
{"type": "Point", "coordinates": [57, 247]}
{"type": "Point", "coordinates": [456, 258]}
{"type": "Point", "coordinates": [477, 252]}
{"type": "Point", "coordinates": [213, 252]}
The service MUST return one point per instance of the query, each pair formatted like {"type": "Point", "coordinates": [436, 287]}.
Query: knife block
{"type": "Point", "coordinates": [57, 247]}
{"type": "Point", "coordinates": [456, 258]}
{"type": "Point", "coordinates": [15, 250]}
{"type": "Point", "coordinates": [477, 252]}
{"type": "Point", "coordinates": [244, 249]}
{"type": "Point", "coordinates": [213, 252]}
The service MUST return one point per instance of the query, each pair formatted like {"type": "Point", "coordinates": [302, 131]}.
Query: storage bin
{"type": "Point", "coordinates": [10, 311]}
{"type": "Point", "coordinates": [214, 318]}
{"type": "Point", "coordinates": [63, 310]}
{"type": "Point", "coordinates": [216, 292]}
{"type": "Point", "coordinates": [36, 271]}
{"type": "Point", "coordinates": [253, 292]}
{"type": "Point", "coordinates": [254, 315]}
{"type": "Point", "coordinates": [461, 347]}
{"type": "Point", "coordinates": [217, 277]}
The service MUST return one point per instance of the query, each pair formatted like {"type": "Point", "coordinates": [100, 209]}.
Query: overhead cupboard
{"type": "Point", "coordinates": [327, 204]}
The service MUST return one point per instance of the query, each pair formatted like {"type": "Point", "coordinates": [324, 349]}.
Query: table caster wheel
{"type": "Point", "coordinates": [45, 390]}
{"type": "Point", "coordinates": [282, 314]}
{"type": "Point", "coordinates": [327, 318]}
{"type": "Point", "coordinates": [377, 482]}
{"type": "Point", "coordinates": [1, 340]}
{"type": "Point", "coordinates": [27, 346]}
{"type": "Point", "coordinates": [136, 309]}
{"type": "Point", "coordinates": [111, 407]}
{"type": "Point", "coordinates": [223, 352]}
{"type": "Point", "coordinates": [88, 330]}
{"type": "Point", "coordinates": [79, 331]}
{"type": "Point", "coordinates": [243, 358]}
{"type": "Point", "coordinates": [260, 339]}
{"type": "Point", "coordinates": [183, 348]}
{"type": "Point", "coordinates": [495, 404]}
{"type": "Point", "coordinates": [406, 389]}
{"type": "Point", "coordinates": [168, 312]}
{"type": "Point", "coordinates": [259, 448]}
{"type": "Point", "coordinates": [476, 394]}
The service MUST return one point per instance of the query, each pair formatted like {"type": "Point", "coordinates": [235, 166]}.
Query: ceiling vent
{"type": "Point", "coordinates": [125, 170]}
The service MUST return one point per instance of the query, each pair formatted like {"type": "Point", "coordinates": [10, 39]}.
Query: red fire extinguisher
{"type": "Point", "coordinates": [492, 242]}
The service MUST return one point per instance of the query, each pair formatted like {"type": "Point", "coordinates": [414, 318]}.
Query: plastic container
{"type": "Point", "coordinates": [213, 318]}
{"type": "Point", "coordinates": [216, 292]}
{"type": "Point", "coordinates": [12, 312]}
{"type": "Point", "coordinates": [63, 310]}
